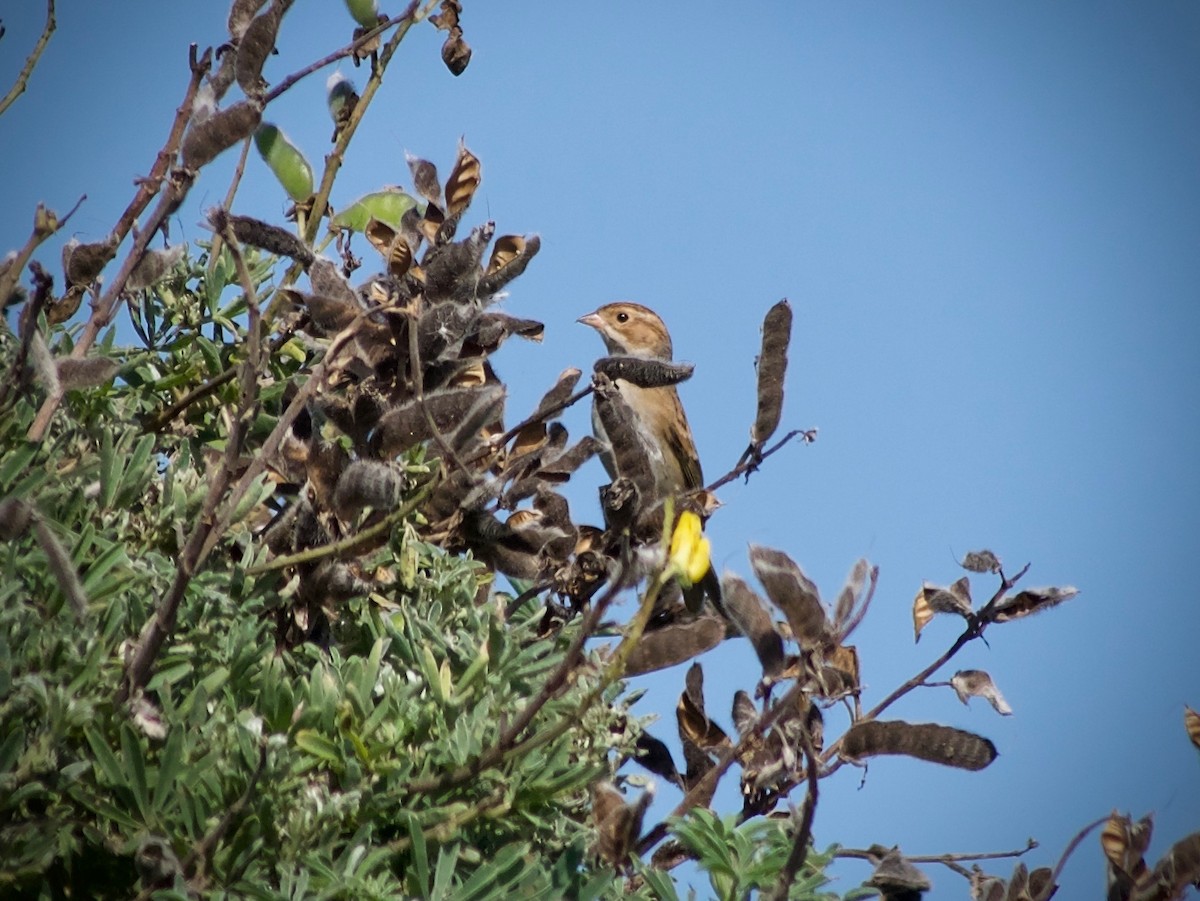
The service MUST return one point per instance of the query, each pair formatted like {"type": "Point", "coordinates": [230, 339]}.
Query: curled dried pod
{"type": "Point", "coordinates": [241, 14]}
{"type": "Point", "coordinates": [456, 53]}
{"type": "Point", "coordinates": [463, 181]}
{"type": "Point", "coordinates": [425, 178]}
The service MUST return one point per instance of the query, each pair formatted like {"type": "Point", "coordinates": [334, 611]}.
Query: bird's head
{"type": "Point", "coordinates": [630, 328]}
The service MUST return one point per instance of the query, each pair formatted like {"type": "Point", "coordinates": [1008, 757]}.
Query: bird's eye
{"type": "Point", "coordinates": [622, 317]}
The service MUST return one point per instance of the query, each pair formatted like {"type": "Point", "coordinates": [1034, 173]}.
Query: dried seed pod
{"type": "Point", "coordinates": [674, 643]}
{"type": "Point", "coordinates": [82, 263]}
{"type": "Point", "coordinates": [452, 271]}
{"type": "Point", "coordinates": [633, 455]}
{"type": "Point", "coordinates": [793, 592]}
{"type": "Point", "coordinates": [154, 266]}
{"type": "Point", "coordinates": [262, 235]}
{"type": "Point", "coordinates": [447, 17]}
{"type": "Point", "coordinates": [772, 367]}
{"type": "Point", "coordinates": [367, 483]}
{"type": "Point", "coordinates": [241, 13]}
{"type": "Point", "coordinates": [934, 599]}
{"type": "Point", "coordinates": [256, 44]}
{"type": "Point", "coordinates": [969, 683]}
{"type": "Point", "coordinates": [425, 178]}
{"type": "Point", "coordinates": [1031, 600]}
{"type": "Point", "coordinates": [655, 756]}
{"type": "Point", "coordinates": [493, 328]}
{"type": "Point", "coordinates": [981, 562]}
{"type": "Point", "coordinates": [618, 824]}
{"type": "Point", "coordinates": [397, 252]}
{"type": "Point", "coordinates": [85, 373]}
{"type": "Point", "coordinates": [326, 281]}
{"type": "Point", "coordinates": [751, 617]}
{"type": "Point", "coordinates": [285, 160]}
{"type": "Point", "coordinates": [895, 877]}
{"type": "Point", "coordinates": [925, 741]}
{"type": "Point", "coordinates": [644, 371]}
{"type": "Point", "coordinates": [207, 140]}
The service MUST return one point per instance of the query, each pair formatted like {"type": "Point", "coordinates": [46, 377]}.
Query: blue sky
{"type": "Point", "coordinates": [987, 219]}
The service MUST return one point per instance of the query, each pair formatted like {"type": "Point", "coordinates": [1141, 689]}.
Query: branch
{"type": "Point", "coordinates": [332, 58]}
{"type": "Point", "coordinates": [747, 466]}
{"type": "Point", "coordinates": [509, 737]}
{"type": "Point", "coordinates": [869, 855]}
{"type": "Point", "coordinates": [45, 224]}
{"type": "Point", "coordinates": [22, 81]}
{"type": "Point", "coordinates": [333, 162]}
{"type": "Point", "coordinates": [103, 309]}
{"type": "Point", "coordinates": [1070, 849]}
{"type": "Point", "coordinates": [351, 542]}
{"type": "Point", "coordinates": [799, 852]}
{"type": "Point", "coordinates": [709, 782]}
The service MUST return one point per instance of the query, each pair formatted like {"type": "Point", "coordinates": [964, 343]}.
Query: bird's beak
{"type": "Point", "coordinates": [592, 319]}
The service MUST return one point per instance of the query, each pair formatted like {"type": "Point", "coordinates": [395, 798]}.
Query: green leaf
{"type": "Point", "coordinates": [170, 766]}
{"type": "Point", "coordinates": [131, 750]}
{"type": "Point", "coordinates": [107, 760]}
{"type": "Point", "coordinates": [318, 745]}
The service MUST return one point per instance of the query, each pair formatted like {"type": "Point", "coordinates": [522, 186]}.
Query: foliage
{"type": "Point", "coordinates": [253, 640]}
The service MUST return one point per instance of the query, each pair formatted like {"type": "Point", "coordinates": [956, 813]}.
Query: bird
{"type": "Point", "coordinates": [634, 330]}
{"type": "Point", "coordinates": [631, 329]}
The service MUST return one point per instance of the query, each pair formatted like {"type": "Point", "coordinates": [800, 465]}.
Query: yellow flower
{"type": "Point", "coordinates": [689, 549]}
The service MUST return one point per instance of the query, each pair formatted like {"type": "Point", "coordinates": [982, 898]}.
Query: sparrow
{"type": "Point", "coordinates": [635, 330]}
{"type": "Point", "coordinates": [632, 329]}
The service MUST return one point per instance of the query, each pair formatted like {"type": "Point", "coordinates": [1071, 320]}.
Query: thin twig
{"type": "Point", "coordinates": [214, 251]}
{"type": "Point", "coordinates": [747, 467]}
{"type": "Point", "coordinates": [201, 851]}
{"type": "Point", "coordinates": [708, 782]}
{"type": "Point", "coordinates": [177, 190]}
{"type": "Point", "coordinates": [509, 737]}
{"type": "Point", "coordinates": [1070, 849]}
{"type": "Point", "coordinates": [43, 283]}
{"type": "Point", "coordinates": [350, 542]}
{"type": "Point", "coordinates": [45, 224]}
{"type": "Point", "coordinates": [333, 162]}
{"type": "Point", "coordinates": [800, 841]}
{"type": "Point", "coordinates": [22, 81]}
{"type": "Point", "coordinates": [866, 854]}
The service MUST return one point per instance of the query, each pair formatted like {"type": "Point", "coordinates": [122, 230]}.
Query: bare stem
{"type": "Point", "coordinates": [800, 841]}
{"type": "Point", "coordinates": [22, 81]}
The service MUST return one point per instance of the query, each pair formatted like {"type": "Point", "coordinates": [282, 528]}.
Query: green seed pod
{"type": "Point", "coordinates": [340, 95]}
{"type": "Point", "coordinates": [286, 161]}
{"type": "Point", "coordinates": [365, 12]}
{"type": "Point", "coordinates": [386, 206]}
